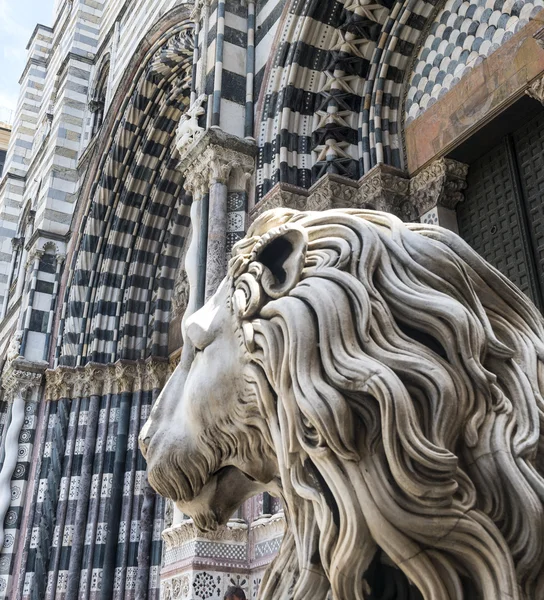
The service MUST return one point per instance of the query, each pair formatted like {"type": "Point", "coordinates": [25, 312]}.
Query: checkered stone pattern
{"type": "Point", "coordinates": [331, 102]}
{"type": "Point", "coordinates": [462, 35]}
{"type": "Point", "coordinates": [118, 297]}
{"type": "Point", "coordinates": [267, 548]}
{"type": "Point", "coordinates": [223, 551]}
{"type": "Point", "coordinates": [74, 499]}
{"type": "Point", "coordinates": [180, 553]}
{"type": "Point", "coordinates": [236, 218]}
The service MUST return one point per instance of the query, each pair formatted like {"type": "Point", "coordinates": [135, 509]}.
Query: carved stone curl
{"type": "Point", "coordinates": [386, 383]}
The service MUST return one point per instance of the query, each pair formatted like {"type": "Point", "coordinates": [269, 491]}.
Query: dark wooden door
{"type": "Point", "coordinates": [502, 216]}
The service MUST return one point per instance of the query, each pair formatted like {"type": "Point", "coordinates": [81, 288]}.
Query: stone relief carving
{"type": "Point", "coordinates": [97, 379]}
{"type": "Point", "coordinates": [14, 346]}
{"type": "Point", "coordinates": [536, 89]}
{"type": "Point", "coordinates": [180, 297]}
{"type": "Point", "coordinates": [386, 383]}
{"type": "Point", "coordinates": [441, 183]}
{"type": "Point", "coordinates": [188, 129]}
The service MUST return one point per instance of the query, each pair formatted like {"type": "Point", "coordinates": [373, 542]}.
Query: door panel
{"type": "Point", "coordinates": [489, 218]}
{"type": "Point", "coordinates": [529, 146]}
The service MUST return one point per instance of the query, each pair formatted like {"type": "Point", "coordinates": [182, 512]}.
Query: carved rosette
{"type": "Point", "coordinates": [97, 380]}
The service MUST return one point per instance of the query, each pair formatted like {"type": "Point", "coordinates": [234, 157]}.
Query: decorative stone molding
{"type": "Point", "coordinates": [178, 48]}
{"type": "Point", "coordinates": [266, 528]}
{"type": "Point", "coordinates": [282, 195]}
{"type": "Point", "coordinates": [186, 531]}
{"type": "Point", "coordinates": [539, 37]}
{"type": "Point", "coordinates": [382, 188]}
{"type": "Point", "coordinates": [95, 379]}
{"type": "Point", "coordinates": [536, 89]}
{"type": "Point", "coordinates": [440, 184]}
{"type": "Point", "coordinates": [22, 377]}
{"type": "Point", "coordinates": [188, 129]}
{"type": "Point", "coordinates": [386, 188]}
{"type": "Point", "coordinates": [213, 157]}
{"type": "Point", "coordinates": [332, 191]}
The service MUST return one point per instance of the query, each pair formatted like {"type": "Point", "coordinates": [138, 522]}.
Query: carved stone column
{"type": "Point", "coordinates": [215, 164]}
{"type": "Point", "coordinates": [21, 381]}
{"type": "Point", "coordinates": [436, 191]}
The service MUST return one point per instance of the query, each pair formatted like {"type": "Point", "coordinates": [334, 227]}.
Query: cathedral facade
{"type": "Point", "coordinates": [144, 125]}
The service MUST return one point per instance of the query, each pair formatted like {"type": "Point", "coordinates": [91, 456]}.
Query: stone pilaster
{"type": "Point", "coordinates": [436, 191]}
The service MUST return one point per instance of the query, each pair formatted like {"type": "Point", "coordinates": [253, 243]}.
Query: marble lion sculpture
{"type": "Point", "coordinates": [385, 382]}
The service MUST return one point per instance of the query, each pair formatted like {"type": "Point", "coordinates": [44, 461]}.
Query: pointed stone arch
{"type": "Point", "coordinates": [133, 214]}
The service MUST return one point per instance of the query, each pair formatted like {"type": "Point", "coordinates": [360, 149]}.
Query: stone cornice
{"type": "Point", "coordinates": [95, 379]}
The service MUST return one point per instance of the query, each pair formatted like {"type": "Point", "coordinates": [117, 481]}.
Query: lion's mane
{"type": "Point", "coordinates": [400, 381]}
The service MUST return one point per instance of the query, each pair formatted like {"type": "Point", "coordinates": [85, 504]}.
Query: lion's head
{"type": "Point", "coordinates": [386, 382]}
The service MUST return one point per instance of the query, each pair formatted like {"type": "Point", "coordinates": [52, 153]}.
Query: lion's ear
{"type": "Point", "coordinates": [282, 256]}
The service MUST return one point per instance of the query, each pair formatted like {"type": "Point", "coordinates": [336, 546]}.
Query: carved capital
{"type": "Point", "coordinates": [282, 195]}
{"type": "Point", "coordinates": [536, 89]}
{"type": "Point", "coordinates": [196, 182]}
{"type": "Point", "coordinates": [386, 188]}
{"type": "Point", "coordinates": [216, 157]}
{"type": "Point", "coordinates": [97, 379]}
{"type": "Point", "coordinates": [332, 191]}
{"type": "Point", "coordinates": [34, 254]}
{"type": "Point", "coordinates": [440, 184]}
{"type": "Point", "coordinates": [21, 378]}
{"type": "Point", "coordinates": [222, 162]}
{"type": "Point", "coordinates": [186, 531]}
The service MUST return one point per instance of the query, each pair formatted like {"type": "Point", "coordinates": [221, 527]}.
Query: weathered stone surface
{"type": "Point", "coordinates": [386, 383]}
